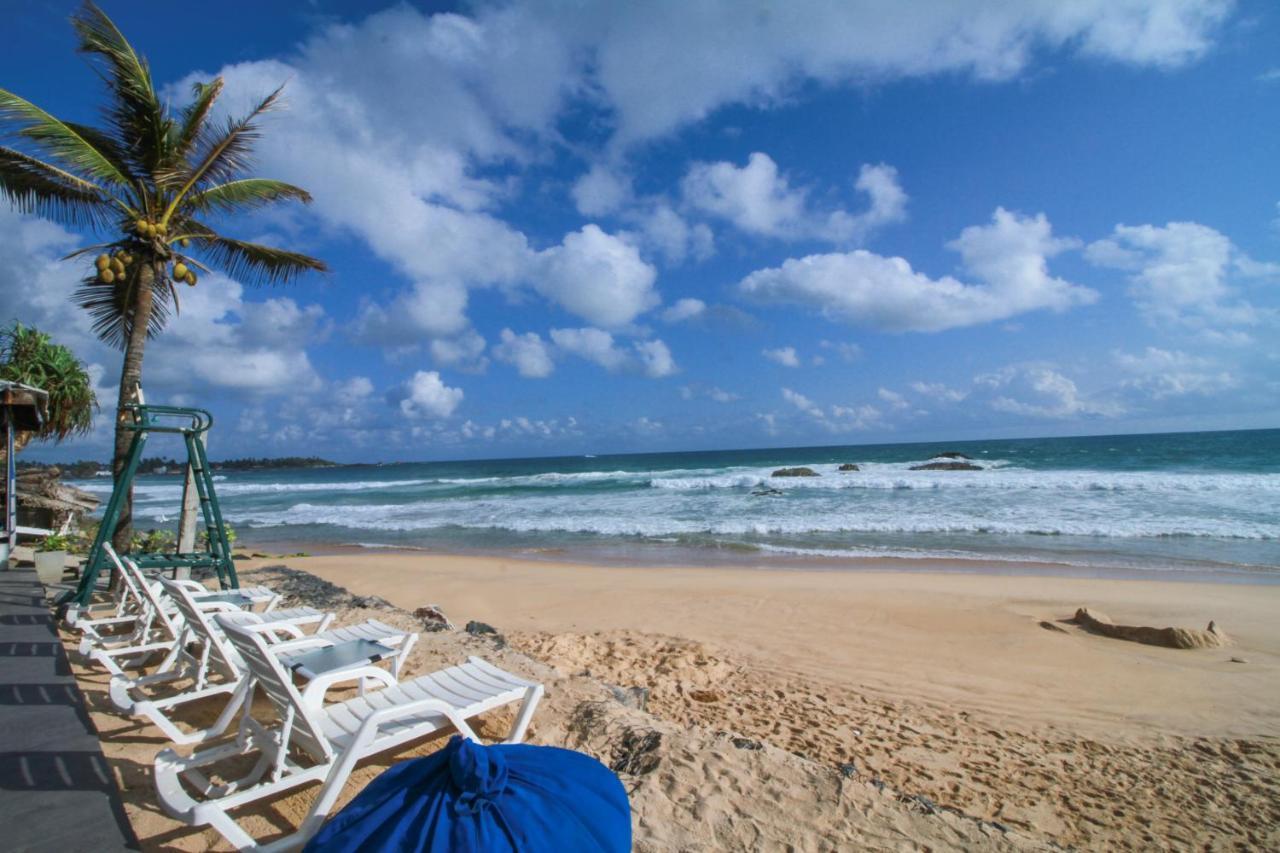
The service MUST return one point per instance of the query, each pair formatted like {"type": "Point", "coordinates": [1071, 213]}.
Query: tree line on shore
{"type": "Point", "coordinates": [83, 468]}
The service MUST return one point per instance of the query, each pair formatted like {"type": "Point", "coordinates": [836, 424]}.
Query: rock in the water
{"type": "Point", "coordinates": [477, 628]}
{"type": "Point", "coordinates": [766, 491]}
{"type": "Point", "coordinates": [947, 466]}
{"type": "Point", "coordinates": [433, 618]}
{"type": "Point", "coordinates": [796, 472]}
{"type": "Point", "coordinates": [1171, 638]}
{"type": "Point", "coordinates": [848, 466]}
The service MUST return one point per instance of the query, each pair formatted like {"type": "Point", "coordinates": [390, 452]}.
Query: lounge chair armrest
{"type": "Point", "coordinates": [314, 694]}
{"type": "Point", "coordinates": [215, 606]}
{"type": "Point", "coordinates": [274, 629]}
{"type": "Point", "coordinates": [195, 587]}
{"type": "Point", "coordinates": [303, 642]}
{"type": "Point", "coordinates": [369, 728]}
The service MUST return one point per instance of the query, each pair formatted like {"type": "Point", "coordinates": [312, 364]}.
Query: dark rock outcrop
{"type": "Point", "coordinates": [433, 618]}
{"type": "Point", "coordinates": [796, 472]}
{"type": "Point", "coordinates": [947, 466]}
{"type": "Point", "coordinates": [848, 466]}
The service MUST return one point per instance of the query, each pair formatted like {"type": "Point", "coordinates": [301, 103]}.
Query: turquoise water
{"type": "Point", "coordinates": [1191, 502]}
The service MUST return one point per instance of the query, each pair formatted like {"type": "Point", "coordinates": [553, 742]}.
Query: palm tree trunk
{"type": "Point", "coordinates": [130, 379]}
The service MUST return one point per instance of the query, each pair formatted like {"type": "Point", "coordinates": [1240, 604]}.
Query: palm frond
{"type": "Point", "coordinates": [191, 128]}
{"type": "Point", "coordinates": [59, 140]}
{"type": "Point", "coordinates": [245, 194]}
{"type": "Point", "coordinates": [254, 263]}
{"type": "Point", "coordinates": [135, 113]}
{"type": "Point", "coordinates": [112, 306]}
{"type": "Point", "coordinates": [226, 155]}
{"type": "Point", "coordinates": [97, 248]}
{"type": "Point", "coordinates": [34, 186]}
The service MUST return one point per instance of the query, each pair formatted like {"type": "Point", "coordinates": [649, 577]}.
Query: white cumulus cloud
{"type": "Point", "coordinates": [1159, 373]}
{"type": "Point", "coordinates": [1184, 274]}
{"type": "Point", "coordinates": [651, 357]}
{"type": "Point", "coordinates": [758, 199]}
{"type": "Point", "coordinates": [528, 352]}
{"type": "Point", "coordinates": [684, 309]}
{"type": "Point", "coordinates": [597, 277]}
{"type": "Point", "coordinates": [786, 356]}
{"type": "Point", "coordinates": [1009, 258]}
{"type": "Point", "coordinates": [1039, 391]}
{"type": "Point", "coordinates": [426, 396]}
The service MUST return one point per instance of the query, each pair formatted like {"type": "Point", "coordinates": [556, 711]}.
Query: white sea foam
{"type": "Point", "coordinates": [174, 491]}
{"type": "Point", "coordinates": [623, 517]}
{"type": "Point", "coordinates": [884, 509]}
{"type": "Point", "coordinates": [897, 477]}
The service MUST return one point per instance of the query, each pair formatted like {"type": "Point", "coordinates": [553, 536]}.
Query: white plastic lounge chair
{"type": "Point", "coordinates": [158, 627]}
{"type": "Point", "coordinates": [329, 738]}
{"type": "Point", "coordinates": [205, 655]}
{"type": "Point", "coordinates": [126, 602]}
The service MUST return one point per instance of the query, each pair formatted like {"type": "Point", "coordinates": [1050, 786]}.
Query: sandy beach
{"type": "Point", "coordinates": [828, 709]}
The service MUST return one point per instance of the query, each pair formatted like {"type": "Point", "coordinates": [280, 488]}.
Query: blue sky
{"type": "Point", "coordinates": [557, 228]}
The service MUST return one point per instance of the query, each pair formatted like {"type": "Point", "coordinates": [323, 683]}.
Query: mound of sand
{"type": "Point", "coordinates": [1171, 638]}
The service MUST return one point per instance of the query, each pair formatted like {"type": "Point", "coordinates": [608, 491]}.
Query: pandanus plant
{"type": "Point", "coordinates": [31, 357]}
{"type": "Point", "coordinates": [150, 181]}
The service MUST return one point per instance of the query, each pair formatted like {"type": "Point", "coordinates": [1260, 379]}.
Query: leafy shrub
{"type": "Point", "coordinates": [55, 543]}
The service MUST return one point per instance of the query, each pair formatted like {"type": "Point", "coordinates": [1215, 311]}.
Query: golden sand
{"type": "Point", "coordinates": [841, 710]}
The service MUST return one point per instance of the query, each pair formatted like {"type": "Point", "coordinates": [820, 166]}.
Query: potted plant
{"type": "Point", "coordinates": [51, 559]}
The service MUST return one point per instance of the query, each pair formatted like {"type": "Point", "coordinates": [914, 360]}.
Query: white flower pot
{"type": "Point", "coordinates": [50, 565]}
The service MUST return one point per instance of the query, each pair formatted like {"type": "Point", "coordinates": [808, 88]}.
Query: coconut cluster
{"type": "Point", "coordinates": [112, 267]}
{"type": "Point", "coordinates": [151, 230]}
{"type": "Point", "coordinates": [181, 272]}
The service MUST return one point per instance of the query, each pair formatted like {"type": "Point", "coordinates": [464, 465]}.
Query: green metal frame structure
{"type": "Point", "coordinates": [191, 424]}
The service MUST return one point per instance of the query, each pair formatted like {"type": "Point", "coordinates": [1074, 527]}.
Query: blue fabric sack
{"type": "Point", "coordinates": [471, 797]}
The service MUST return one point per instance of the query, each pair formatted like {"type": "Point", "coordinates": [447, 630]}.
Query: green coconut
{"type": "Point", "coordinates": [117, 266]}
{"type": "Point", "coordinates": [101, 262]}
{"type": "Point", "coordinates": [185, 242]}
{"type": "Point", "coordinates": [191, 278]}
{"type": "Point", "coordinates": [108, 275]}
{"type": "Point", "coordinates": [180, 271]}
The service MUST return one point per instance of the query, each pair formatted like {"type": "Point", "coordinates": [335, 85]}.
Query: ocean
{"type": "Point", "coordinates": [1188, 504]}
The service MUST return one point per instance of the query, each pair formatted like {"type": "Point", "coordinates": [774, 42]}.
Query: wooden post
{"type": "Point", "coordinates": [190, 512]}
{"type": "Point", "coordinates": [10, 493]}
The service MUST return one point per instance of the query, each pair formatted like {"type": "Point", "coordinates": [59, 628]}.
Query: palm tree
{"type": "Point", "coordinates": [148, 180]}
{"type": "Point", "coordinates": [29, 356]}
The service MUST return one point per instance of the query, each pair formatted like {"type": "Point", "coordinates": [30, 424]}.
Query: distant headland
{"type": "Point", "coordinates": [84, 468]}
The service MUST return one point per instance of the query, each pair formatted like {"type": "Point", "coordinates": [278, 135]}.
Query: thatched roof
{"type": "Point", "coordinates": [26, 404]}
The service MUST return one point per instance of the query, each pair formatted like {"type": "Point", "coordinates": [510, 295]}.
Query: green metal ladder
{"type": "Point", "coordinates": [191, 424]}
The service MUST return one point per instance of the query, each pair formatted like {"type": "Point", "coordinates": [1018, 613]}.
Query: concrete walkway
{"type": "Point", "coordinates": [57, 792]}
